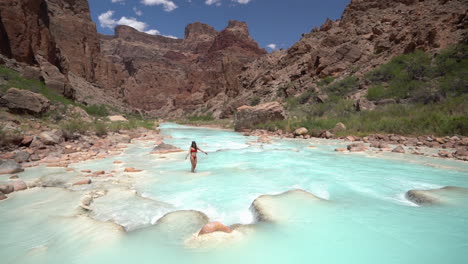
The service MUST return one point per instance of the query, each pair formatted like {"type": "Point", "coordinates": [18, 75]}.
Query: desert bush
{"type": "Point", "coordinates": [255, 101]}
{"type": "Point", "coordinates": [343, 87]}
{"type": "Point", "coordinates": [100, 128]}
{"type": "Point", "coordinates": [97, 110]}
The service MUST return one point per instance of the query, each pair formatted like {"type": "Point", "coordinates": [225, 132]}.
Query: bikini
{"type": "Point", "coordinates": [192, 150]}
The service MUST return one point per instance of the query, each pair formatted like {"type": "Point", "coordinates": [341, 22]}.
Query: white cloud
{"type": "Point", "coordinates": [152, 32]}
{"type": "Point", "coordinates": [137, 11]}
{"type": "Point", "coordinates": [117, 1]}
{"type": "Point", "coordinates": [170, 36]}
{"type": "Point", "coordinates": [132, 22]}
{"type": "Point", "coordinates": [242, 1]}
{"type": "Point", "coordinates": [167, 4]}
{"type": "Point", "coordinates": [106, 20]}
{"type": "Point", "coordinates": [213, 2]}
{"type": "Point", "coordinates": [271, 46]}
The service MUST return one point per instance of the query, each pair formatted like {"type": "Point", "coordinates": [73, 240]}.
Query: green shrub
{"type": "Point", "coordinates": [100, 128]}
{"type": "Point", "coordinates": [255, 101]}
{"type": "Point", "coordinates": [343, 87]}
{"type": "Point", "coordinates": [97, 110]}
{"type": "Point", "coordinates": [326, 81]}
{"type": "Point", "coordinates": [74, 127]}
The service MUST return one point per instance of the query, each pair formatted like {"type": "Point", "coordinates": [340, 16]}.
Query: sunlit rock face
{"type": "Point", "coordinates": [161, 75]}
{"type": "Point", "coordinates": [368, 34]}
{"type": "Point", "coordinates": [168, 76]}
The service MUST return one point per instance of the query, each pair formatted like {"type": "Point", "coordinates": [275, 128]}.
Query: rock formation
{"type": "Point", "coordinates": [276, 208]}
{"type": "Point", "coordinates": [173, 77]}
{"type": "Point", "coordinates": [369, 33]}
{"type": "Point", "coordinates": [248, 116]}
{"type": "Point", "coordinates": [445, 195]}
{"type": "Point", "coordinates": [210, 71]}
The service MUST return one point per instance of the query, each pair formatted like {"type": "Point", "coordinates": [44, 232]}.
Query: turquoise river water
{"type": "Point", "coordinates": [365, 218]}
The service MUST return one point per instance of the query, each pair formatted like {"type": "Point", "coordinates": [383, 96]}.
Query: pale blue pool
{"type": "Point", "coordinates": [366, 219]}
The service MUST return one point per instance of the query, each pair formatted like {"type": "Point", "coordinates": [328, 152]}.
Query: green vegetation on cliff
{"type": "Point", "coordinates": [63, 114]}
{"type": "Point", "coordinates": [415, 94]}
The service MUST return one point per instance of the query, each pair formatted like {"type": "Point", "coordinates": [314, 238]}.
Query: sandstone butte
{"type": "Point", "coordinates": [209, 70]}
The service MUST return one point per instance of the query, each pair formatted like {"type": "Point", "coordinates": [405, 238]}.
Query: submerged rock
{"type": "Point", "coordinates": [83, 182]}
{"type": "Point", "coordinates": [9, 167]}
{"type": "Point", "coordinates": [274, 208]}
{"type": "Point", "coordinates": [50, 181]}
{"type": "Point", "coordinates": [445, 195]}
{"type": "Point", "coordinates": [214, 227]}
{"type": "Point", "coordinates": [6, 188]}
{"type": "Point", "coordinates": [19, 185]}
{"type": "Point", "coordinates": [215, 239]}
{"type": "Point", "coordinates": [132, 170]}
{"type": "Point", "coordinates": [180, 225]}
{"type": "Point", "coordinates": [164, 148]}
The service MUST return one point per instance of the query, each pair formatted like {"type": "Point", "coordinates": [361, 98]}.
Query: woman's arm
{"type": "Point", "coordinates": [188, 153]}
{"type": "Point", "coordinates": [202, 150]}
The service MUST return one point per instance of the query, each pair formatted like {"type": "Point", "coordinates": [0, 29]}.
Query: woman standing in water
{"type": "Point", "coordinates": [193, 154]}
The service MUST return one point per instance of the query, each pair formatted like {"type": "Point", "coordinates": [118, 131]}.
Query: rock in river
{"type": "Point", "coordinates": [445, 195]}
{"type": "Point", "coordinates": [9, 167]}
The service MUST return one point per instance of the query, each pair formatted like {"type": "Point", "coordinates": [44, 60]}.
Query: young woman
{"type": "Point", "coordinates": [193, 154]}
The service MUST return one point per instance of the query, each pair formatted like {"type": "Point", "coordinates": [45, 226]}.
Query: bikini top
{"type": "Point", "coordinates": [193, 150]}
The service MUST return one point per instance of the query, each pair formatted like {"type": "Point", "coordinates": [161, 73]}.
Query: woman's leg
{"type": "Point", "coordinates": [194, 163]}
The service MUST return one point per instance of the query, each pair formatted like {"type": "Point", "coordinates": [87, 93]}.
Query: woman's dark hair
{"type": "Point", "coordinates": [194, 145]}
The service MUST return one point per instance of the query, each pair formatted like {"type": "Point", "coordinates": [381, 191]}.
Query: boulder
{"type": "Point", "coordinates": [164, 148]}
{"type": "Point", "coordinates": [24, 101]}
{"type": "Point", "coordinates": [445, 154]}
{"type": "Point", "coordinates": [247, 117]}
{"type": "Point", "coordinates": [21, 156]}
{"type": "Point", "coordinates": [357, 147]}
{"type": "Point", "coordinates": [341, 149]}
{"type": "Point", "coordinates": [9, 167]}
{"type": "Point", "coordinates": [445, 195]}
{"type": "Point", "coordinates": [6, 188]}
{"type": "Point", "coordinates": [132, 170]}
{"type": "Point", "coordinates": [339, 127]}
{"type": "Point", "coordinates": [302, 131]}
{"type": "Point", "coordinates": [181, 225]}
{"type": "Point", "coordinates": [19, 185]}
{"type": "Point", "coordinates": [27, 140]}
{"type": "Point", "coordinates": [83, 182]}
{"type": "Point", "coordinates": [461, 153]}
{"type": "Point", "coordinates": [50, 181]}
{"type": "Point", "coordinates": [214, 227]}
{"type": "Point", "coordinates": [276, 208]}
{"type": "Point", "coordinates": [264, 140]}
{"type": "Point", "coordinates": [326, 134]}
{"type": "Point", "coordinates": [51, 137]}
{"type": "Point", "coordinates": [32, 73]}
{"type": "Point", "coordinates": [117, 118]}
{"type": "Point", "coordinates": [364, 104]}
{"type": "Point", "coordinates": [374, 144]}
{"type": "Point", "coordinates": [54, 79]}
{"type": "Point", "coordinates": [399, 149]}
{"type": "Point", "coordinates": [3, 196]}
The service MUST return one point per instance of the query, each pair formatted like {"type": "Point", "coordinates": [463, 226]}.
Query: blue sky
{"type": "Point", "coordinates": [272, 23]}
